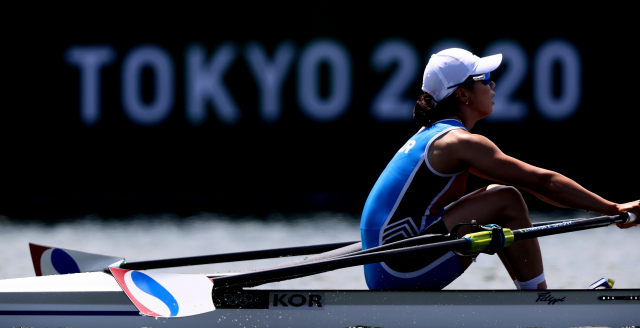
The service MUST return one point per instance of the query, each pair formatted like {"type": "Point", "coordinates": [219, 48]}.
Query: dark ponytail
{"type": "Point", "coordinates": [427, 111]}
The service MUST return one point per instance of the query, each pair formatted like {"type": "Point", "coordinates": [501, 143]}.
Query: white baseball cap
{"type": "Point", "coordinates": [452, 66]}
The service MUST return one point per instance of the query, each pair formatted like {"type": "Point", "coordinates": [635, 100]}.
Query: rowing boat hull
{"type": "Point", "coordinates": [333, 308]}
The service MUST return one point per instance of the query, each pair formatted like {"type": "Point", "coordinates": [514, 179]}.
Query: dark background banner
{"type": "Point", "coordinates": [252, 110]}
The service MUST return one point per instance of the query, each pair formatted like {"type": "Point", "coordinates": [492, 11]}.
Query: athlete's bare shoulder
{"type": "Point", "coordinates": [460, 140]}
{"type": "Point", "coordinates": [459, 149]}
{"type": "Point", "coordinates": [444, 153]}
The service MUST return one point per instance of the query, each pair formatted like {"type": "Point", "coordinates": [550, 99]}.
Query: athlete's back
{"type": "Point", "coordinates": [408, 200]}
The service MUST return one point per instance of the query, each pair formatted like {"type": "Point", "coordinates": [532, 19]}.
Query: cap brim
{"type": "Point", "coordinates": [487, 64]}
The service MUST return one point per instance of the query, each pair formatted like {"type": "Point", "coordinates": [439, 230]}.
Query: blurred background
{"type": "Point", "coordinates": [254, 111]}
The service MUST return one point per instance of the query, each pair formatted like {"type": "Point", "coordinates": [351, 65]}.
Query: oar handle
{"type": "Point", "coordinates": [632, 217]}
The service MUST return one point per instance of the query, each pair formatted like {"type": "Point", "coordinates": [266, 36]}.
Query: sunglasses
{"type": "Point", "coordinates": [484, 78]}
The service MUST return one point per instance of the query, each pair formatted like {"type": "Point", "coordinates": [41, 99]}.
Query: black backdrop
{"type": "Point", "coordinates": [55, 163]}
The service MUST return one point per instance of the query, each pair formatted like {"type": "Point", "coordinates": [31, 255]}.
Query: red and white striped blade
{"type": "Point", "coordinates": [49, 260]}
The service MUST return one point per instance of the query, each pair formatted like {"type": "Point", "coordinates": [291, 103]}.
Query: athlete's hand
{"type": "Point", "coordinates": [633, 207]}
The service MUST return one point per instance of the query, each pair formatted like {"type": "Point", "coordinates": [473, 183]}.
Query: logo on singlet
{"type": "Point", "coordinates": [407, 146]}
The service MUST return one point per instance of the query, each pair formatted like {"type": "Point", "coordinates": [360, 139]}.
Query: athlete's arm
{"type": "Point", "coordinates": [487, 160]}
{"type": "Point", "coordinates": [542, 197]}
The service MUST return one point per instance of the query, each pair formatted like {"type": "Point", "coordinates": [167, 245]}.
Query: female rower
{"type": "Point", "coordinates": [421, 190]}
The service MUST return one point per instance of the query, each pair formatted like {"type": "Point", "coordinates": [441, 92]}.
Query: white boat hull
{"type": "Point", "coordinates": [329, 308]}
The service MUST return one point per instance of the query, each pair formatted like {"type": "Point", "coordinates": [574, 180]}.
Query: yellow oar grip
{"type": "Point", "coordinates": [481, 240]}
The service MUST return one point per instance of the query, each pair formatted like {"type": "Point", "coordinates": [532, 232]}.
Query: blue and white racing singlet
{"type": "Point", "coordinates": [408, 199]}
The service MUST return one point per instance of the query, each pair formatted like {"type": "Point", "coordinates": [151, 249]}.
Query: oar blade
{"type": "Point", "coordinates": [166, 295]}
{"type": "Point", "coordinates": [54, 261]}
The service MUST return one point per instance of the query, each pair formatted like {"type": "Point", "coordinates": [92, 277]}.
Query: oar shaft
{"type": "Point", "coordinates": [382, 253]}
{"type": "Point", "coordinates": [234, 257]}
{"type": "Point", "coordinates": [537, 224]}
{"type": "Point", "coordinates": [568, 226]}
{"type": "Point", "coordinates": [262, 277]}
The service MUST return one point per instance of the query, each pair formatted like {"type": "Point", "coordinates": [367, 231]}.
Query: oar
{"type": "Point", "coordinates": [356, 249]}
{"type": "Point", "coordinates": [51, 260]}
{"type": "Point", "coordinates": [185, 295]}
{"type": "Point", "coordinates": [473, 242]}
{"type": "Point", "coordinates": [235, 257]}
